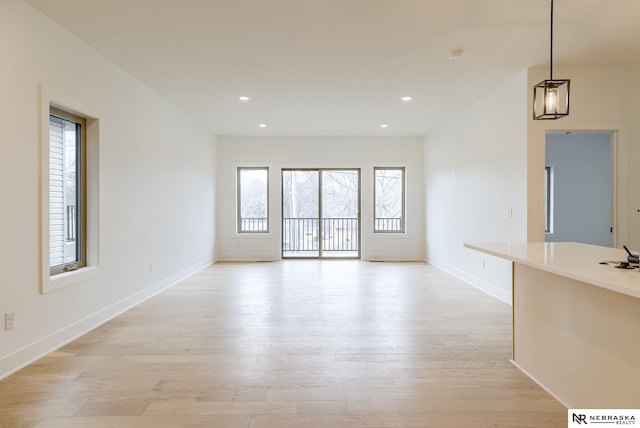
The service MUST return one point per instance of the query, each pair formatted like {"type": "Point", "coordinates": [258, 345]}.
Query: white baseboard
{"type": "Point", "coordinates": [267, 258]}
{"type": "Point", "coordinates": [393, 258]}
{"type": "Point", "coordinates": [30, 353]}
{"type": "Point", "coordinates": [247, 258]}
{"type": "Point", "coordinates": [472, 280]}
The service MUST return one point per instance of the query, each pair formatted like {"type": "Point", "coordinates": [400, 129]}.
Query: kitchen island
{"type": "Point", "coordinates": [576, 321]}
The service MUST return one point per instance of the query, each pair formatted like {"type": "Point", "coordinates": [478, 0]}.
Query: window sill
{"type": "Point", "coordinates": [390, 235]}
{"type": "Point", "coordinates": [66, 279]}
{"type": "Point", "coordinates": [254, 235]}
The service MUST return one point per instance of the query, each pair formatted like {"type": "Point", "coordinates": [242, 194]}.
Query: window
{"type": "Point", "coordinates": [253, 200]}
{"type": "Point", "coordinates": [67, 194]}
{"type": "Point", "coordinates": [70, 197]}
{"type": "Point", "coordinates": [548, 199]}
{"type": "Point", "coordinates": [389, 200]}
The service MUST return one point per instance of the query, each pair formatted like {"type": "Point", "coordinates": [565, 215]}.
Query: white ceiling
{"type": "Point", "coordinates": [339, 67]}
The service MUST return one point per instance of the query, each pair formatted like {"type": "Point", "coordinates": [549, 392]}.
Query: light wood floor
{"type": "Point", "coordinates": [291, 344]}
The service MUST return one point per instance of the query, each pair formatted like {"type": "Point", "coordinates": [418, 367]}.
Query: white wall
{"type": "Point", "coordinates": [498, 154]}
{"type": "Point", "coordinates": [602, 99]}
{"type": "Point", "coordinates": [320, 152]}
{"type": "Point", "coordinates": [157, 186]}
{"type": "Point", "coordinates": [476, 185]}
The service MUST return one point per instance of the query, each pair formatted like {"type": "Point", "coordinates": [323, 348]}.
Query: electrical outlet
{"type": "Point", "coordinates": [9, 321]}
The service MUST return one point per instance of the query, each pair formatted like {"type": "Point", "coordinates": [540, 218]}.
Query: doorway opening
{"type": "Point", "coordinates": [321, 213]}
{"type": "Point", "coordinates": [579, 204]}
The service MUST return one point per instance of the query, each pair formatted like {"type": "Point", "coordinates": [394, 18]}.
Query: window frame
{"type": "Point", "coordinates": [239, 229]}
{"type": "Point", "coordinates": [81, 191]}
{"type": "Point", "coordinates": [51, 97]}
{"type": "Point", "coordinates": [403, 220]}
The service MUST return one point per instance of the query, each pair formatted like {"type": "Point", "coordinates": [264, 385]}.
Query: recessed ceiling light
{"type": "Point", "coordinates": [244, 98]}
{"type": "Point", "coordinates": [406, 99]}
{"type": "Point", "coordinates": [384, 125]}
{"type": "Point", "coordinates": [455, 54]}
{"type": "Point", "coordinates": [263, 125]}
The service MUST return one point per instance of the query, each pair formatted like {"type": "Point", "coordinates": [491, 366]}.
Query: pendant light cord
{"type": "Point", "coordinates": [551, 46]}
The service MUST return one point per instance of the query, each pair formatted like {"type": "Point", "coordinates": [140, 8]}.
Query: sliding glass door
{"type": "Point", "coordinates": [340, 203]}
{"type": "Point", "coordinates": [300, 215]}
{"type": "Point", "coordinates": [321, 213]}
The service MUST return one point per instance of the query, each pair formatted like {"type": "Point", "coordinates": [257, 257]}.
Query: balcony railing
{"type": "Point", "coordinates": [301, 234]}
{"type": "Point", "coordinates": [388, 225]}
{"type": "Point", "coordinates": [340, 234]}
{"type": "Point", "coordinates": [254, 224]}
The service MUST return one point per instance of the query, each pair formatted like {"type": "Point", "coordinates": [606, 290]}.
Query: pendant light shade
{"type": "Point", "coordinates": [551, 97]}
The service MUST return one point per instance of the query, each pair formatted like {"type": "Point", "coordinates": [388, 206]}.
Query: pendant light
{"type": "Point", "coordinates": [551, 97]}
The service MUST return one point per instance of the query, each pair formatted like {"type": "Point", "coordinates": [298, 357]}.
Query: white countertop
{"type": "Point", "coordinates": [572, 260]}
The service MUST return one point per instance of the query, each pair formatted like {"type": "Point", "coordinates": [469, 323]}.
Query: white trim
{"type": "Point", "coordinates": [254, 235]}
{"type": "Point", "coordinates": [394, 258]}
{"type": "Point", "coordinates": [239, 257]}
{"type": "Point", "coordinates": [480, 284]}
{"type": "Point", "coordinates": [28, 354]}
{"type": "Point", "coordinates": [66, 279]}
{"type": "Point", "coordinates": [389, 235]}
